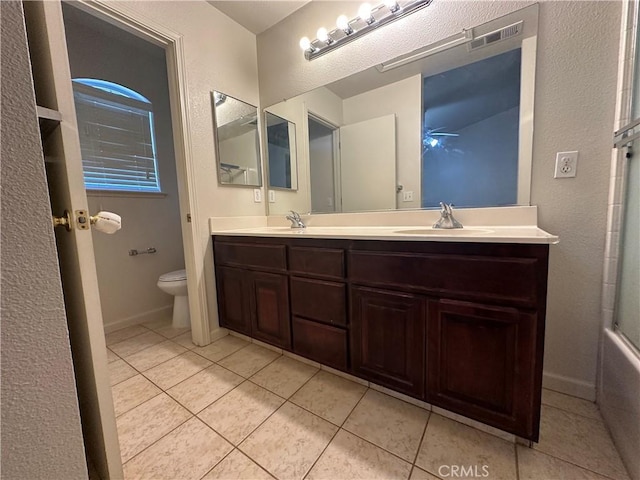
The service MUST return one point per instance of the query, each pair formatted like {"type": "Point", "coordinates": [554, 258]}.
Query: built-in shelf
{"type": "Point", "coordinates": [49, 119]}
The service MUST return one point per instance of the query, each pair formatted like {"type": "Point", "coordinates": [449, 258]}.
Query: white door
{"type": "Point", "coordinates": [368, 164]}
{"type": "Point", "coordinates": [63, 161]}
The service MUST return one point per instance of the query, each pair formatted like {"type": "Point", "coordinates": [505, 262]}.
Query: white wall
{"type": "Point", "coordinates": [574, 108]}
{"type": "Point", "coordinates": [219, 55]}
{"type": "Point", "coordinates": [128, 290]}
{"type": "Point", "coordinates": [404, 99]}
{"type": "Point", "coordinates": [41, 433]}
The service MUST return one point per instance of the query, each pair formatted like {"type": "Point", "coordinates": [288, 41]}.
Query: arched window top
{"type": "Point", "coordinates": [111, 87]}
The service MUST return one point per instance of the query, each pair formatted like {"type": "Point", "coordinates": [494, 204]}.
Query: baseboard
{"type": "Point", "coordinates": [569, 386]}
{"type": "Point", "coordinates": [140, 318]}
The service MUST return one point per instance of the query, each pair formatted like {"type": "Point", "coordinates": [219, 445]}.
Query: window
{"type": "Point", "coordinates": [115, 125]}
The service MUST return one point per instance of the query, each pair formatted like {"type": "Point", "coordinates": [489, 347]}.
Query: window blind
{"type": "Point", "coordinates": [116, 140]}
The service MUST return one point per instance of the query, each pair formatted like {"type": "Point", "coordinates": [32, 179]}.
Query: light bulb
{"type": "Point", "coordinates": [322, 34]}
{"type": "Point", "coordinates": [305, 43]}
{"type": "Point", "coordinates": [392, 5]}
{"type": "Point", "coordinates": [343, 23]}
{"type": "Point", "coordinates": [364, 12]}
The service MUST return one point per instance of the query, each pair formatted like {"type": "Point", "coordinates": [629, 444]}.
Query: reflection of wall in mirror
{"type": "Point", "coordinates": [239, 152]}
{"type": "Point", "coordinates": [232, 109]}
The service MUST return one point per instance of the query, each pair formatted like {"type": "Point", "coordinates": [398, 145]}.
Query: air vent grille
{"type": "Point", "coordinates": [498, 35]}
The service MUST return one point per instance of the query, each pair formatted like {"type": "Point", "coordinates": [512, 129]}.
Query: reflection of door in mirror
{"type": "Point", "coordinates": [368, 164]}
{"type": "Point", "coordinates": [323, 166]}
{"type": "Point", "coordinates": [470, 133]}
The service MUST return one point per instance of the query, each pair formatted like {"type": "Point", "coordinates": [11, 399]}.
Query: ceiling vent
{"type": "Point", "coordinates": [496, 36]}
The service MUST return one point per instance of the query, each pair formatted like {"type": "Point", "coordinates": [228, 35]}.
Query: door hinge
{"type": "Point", "coordinates": [188, 218]}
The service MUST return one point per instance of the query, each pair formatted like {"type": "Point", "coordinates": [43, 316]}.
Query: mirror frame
{"type": "Point", "coordinates": [216, 142]}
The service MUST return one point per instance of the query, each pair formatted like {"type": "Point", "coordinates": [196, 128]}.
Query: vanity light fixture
{"type": "Point", "coordinates": [369, 18]}
{"type": "Point", "coordinates": [323, 36]}
{"type": "Point", "coordinates": [306, 46]}
{"type": "Point", "coordinates": [343, 24]}
{"type": "Point", "coordinates": [392, 5]}
{"type": "Point", "coordinates": [365, 13]}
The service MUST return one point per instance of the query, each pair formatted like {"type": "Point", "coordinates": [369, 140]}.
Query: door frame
{"type": "Point", "coordinates": [337, 183]}
{"type": "Point", "coordinates": [172, 42]}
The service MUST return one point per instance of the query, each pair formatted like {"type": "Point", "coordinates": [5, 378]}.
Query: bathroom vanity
{"type": "Point", "coordinates": [454, 320]}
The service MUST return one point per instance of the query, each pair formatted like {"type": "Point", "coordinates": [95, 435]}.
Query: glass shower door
{"type": "Point", "coordinates": [627, 309]}
{"type": "Point", "coordinates": [627, 316]}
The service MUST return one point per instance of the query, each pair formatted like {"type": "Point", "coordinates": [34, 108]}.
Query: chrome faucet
{"type": "Point", "coordinates": [446, 218]}
{"type": "Point", "coordinates": [296, 221]}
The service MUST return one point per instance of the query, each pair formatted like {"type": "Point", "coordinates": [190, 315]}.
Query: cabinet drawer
{"type": "Point", "coordinates": [501, 279]}
{"type": "Point", "coordinates": [271, 257]}
{"type": "Point", "coordinates": [319, 300]}
{"type": "Point", "coordinates": [319, 342]}
{"type": "Point", "coordinates": [321, 262]}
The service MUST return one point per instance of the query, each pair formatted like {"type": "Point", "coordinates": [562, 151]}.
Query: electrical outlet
{"type": "Point", "coordinates": [407, 196]}
{"type": "Point", "coordinates": [566, 164]}
{"type": "Point", "coordinates": [272, 196]}
{"type": "Point", "coordinates": [257, 195]}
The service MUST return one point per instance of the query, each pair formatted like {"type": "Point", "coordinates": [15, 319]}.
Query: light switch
{"type": "Point", "coordinates": [272, 196]}
{"type": "Point", "coordinates": [257, 195]}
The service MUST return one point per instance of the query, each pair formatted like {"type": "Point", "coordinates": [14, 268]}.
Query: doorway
{"type": "Point", "coordinates": [324, 170]}
{"type": "Point", "coordinates": [124, 123]}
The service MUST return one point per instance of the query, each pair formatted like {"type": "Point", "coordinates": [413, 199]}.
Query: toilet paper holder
{"type": "Point", "coordinates": [133, 252]}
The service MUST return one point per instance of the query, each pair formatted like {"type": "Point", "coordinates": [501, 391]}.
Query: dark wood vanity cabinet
{"type": "Point", "coordinates": [458, 325]}
{"type": "Point", "coordinates": [233, 299]}
{"type": "Point", "coordinates": [482, 363]}
{"type": "Point", "coordinates": [253, 298]}
{"type": "Point", "coordinates": [388, 338]}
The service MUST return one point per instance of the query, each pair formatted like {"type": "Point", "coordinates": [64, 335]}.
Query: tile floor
{"type": "Point", "coordinates": [237, 410]}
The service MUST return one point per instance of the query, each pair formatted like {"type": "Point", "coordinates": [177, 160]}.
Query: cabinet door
{"type": "Point", "coordinates": [270, 320]}
{"type": "Point", "coordinates": [481, 364]}
{"type": "Point", "coordinates": [233, 301]}
{"type": "Point", "coordinates": [388, 338]}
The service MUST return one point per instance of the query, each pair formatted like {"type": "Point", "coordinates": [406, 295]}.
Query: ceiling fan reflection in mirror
{"type": "Point", "coordinates": [435, 138]}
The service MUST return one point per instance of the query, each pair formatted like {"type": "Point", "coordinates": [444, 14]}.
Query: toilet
{"type": "Point", "coordinates": [175, 283]}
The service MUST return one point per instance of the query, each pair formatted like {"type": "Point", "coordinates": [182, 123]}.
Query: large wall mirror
{"type": "Point", "coordinates": [451, 122]}
{"type": "Point", "coordinates": [237, 141]}
{"type": "Point", "coordinates": [281, 152]}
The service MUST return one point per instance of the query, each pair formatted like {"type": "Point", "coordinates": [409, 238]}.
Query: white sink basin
{"type": "Point", "coordinates": [445, 232]}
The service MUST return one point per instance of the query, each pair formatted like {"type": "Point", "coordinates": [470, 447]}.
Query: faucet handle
{"type": "Point", "coordinates": [295, 214]}
{"type": "Point", "coordinates": [445, 209]}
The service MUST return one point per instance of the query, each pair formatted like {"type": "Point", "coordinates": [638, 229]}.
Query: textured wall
{"type": "Point", "coordinates": [41, 435]}
{"type": "Point", "coordinates": [574, 110]}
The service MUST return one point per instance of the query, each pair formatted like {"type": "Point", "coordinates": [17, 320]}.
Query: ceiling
{"type": "Point", "coordinates": [258, 16]}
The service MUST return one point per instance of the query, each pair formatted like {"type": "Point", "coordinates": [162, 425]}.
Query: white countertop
{"type": "Point", "coordinates": [478, 234]}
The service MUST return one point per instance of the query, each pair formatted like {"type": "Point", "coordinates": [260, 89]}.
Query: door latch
{"type": "Point", "coordinates": [82, 220]}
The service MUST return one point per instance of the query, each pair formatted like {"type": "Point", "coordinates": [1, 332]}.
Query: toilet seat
{"type": "Point", "coordinates": [174, 276]}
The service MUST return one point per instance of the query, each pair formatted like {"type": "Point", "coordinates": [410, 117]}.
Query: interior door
{"type": "Point", "coordinates": [52, 79]}
{"type": "Point", "coordinates": [368, 164]}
